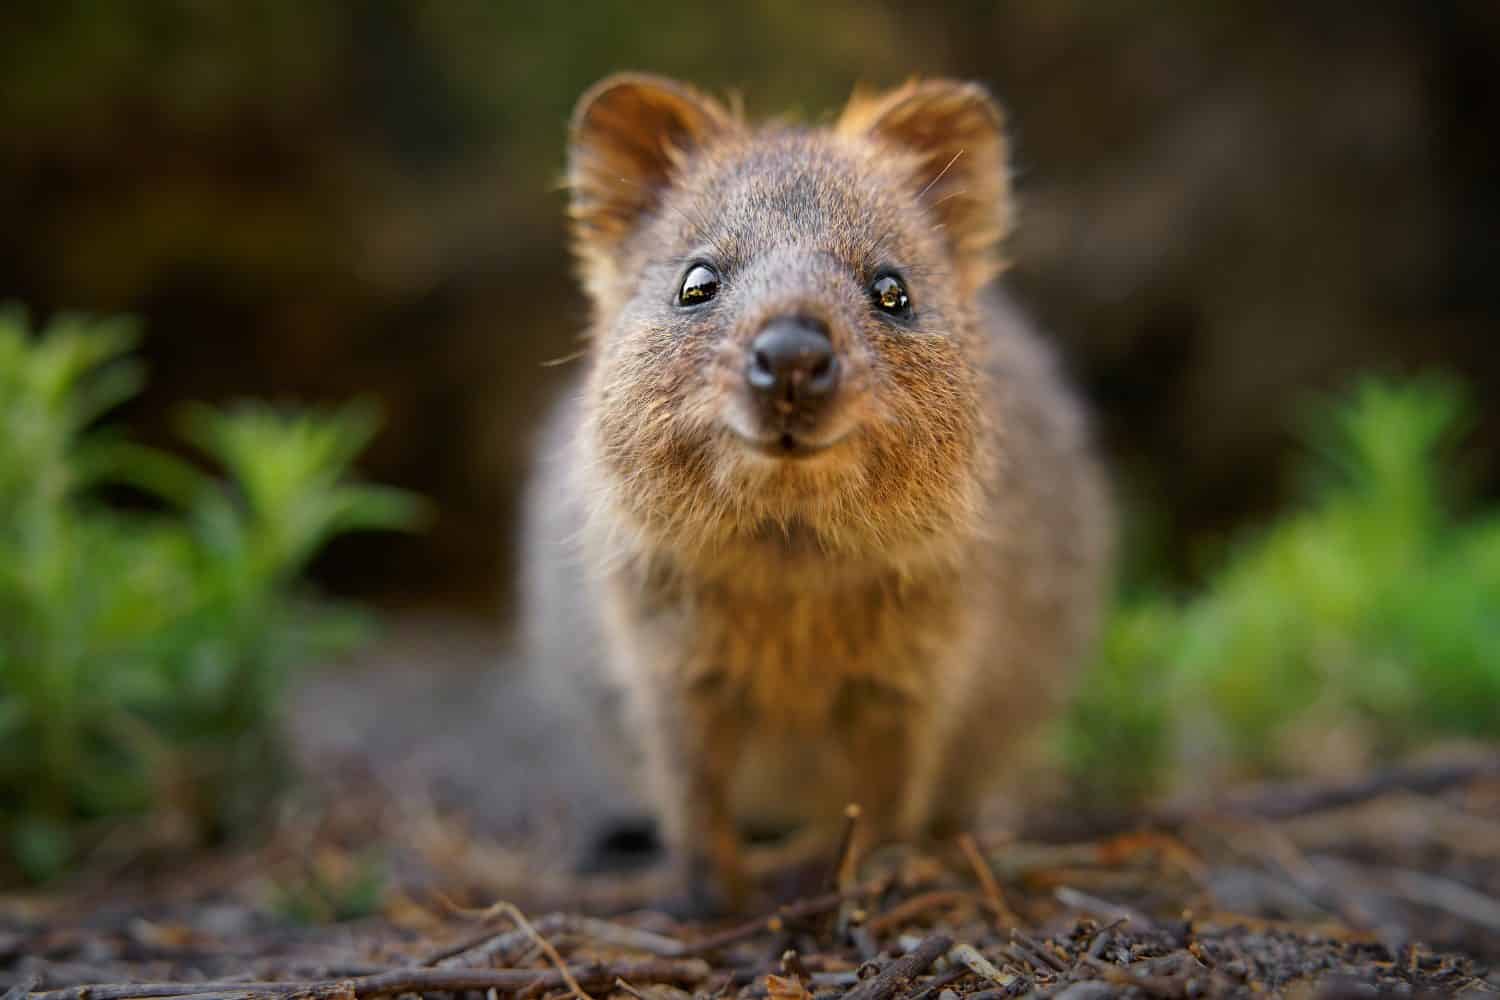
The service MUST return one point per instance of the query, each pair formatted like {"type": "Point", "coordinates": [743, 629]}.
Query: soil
{"type": "Point", "coordinates": [439, 790]}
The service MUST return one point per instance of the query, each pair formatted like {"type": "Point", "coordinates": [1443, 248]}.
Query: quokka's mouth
{"type": "Point", "coordinates": [787, 445]}
{"type": "Point", "coordinates": [793, 447]}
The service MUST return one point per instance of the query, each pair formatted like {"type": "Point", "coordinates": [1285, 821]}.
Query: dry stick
{"type": "Point", "coordinates": [941, 982]}
{"type": "Point", "coordinates": [314, 993]}
{"type": "Point", "coordinates": [754, 978]}
{"type": "Point", "coordinates": [979, 965]}
{"type": "Point", "coordinates": [683, 971]}
{"type": "Point", "coordinates": [657, 944]}
{"type": "Point", "coordinates": [1102, 940]}
{"type": "Point", "coordinates": [552, 923]}
{"type": "Point", "coordinates": [598, 931]}
{"type": "Point", "coordinates": [1285, 854]}
{"type": "Point", "coordinates": [22, 987]}
{"type": "Point", "coordinates": [1004, 915]}
{"type": "Point", "coordinates": [627, 937]}
{"type": "Point", "coordinates": [1000, 993]}
{"type": "Point", "coordinates": [756, 986]}
{"type": "Point", "coordinates": [129, 991]}
{"type": "Point", "coordinates": [621, 936]}
{"type": "Point", "coordinates": [514, 912]}
{"type": "Point", "coordinates": [792, 965]}
{"type": "Point", "coordinates": [1452, 897]}
{"type": "Point", "coordinates": [1160, 986]}
{"type": "Point", "coordinates": [774, 922]}
{"type": "Point", "coordinates": [918, 904]}
{"type": "Point", "coordinates": [841, 876]}
{"type": "Point", "coordinates": [895, 976]}
{"type": "Point", "coordinates": [1034, 949]}
{"type": "Point", "coordinates": [689, 972]}
{"type": "Point", "coordinates": [621, 984]}
{"type": "Point", "coordinates": [1104, 909]}
{"type": "Point", "coordinates": [1285, 801]}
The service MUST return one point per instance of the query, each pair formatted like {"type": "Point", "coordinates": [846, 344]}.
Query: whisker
{"type": "Point", "coordinates": [582, 352]}
{"type": "Point", "coordinates": [941, 174]}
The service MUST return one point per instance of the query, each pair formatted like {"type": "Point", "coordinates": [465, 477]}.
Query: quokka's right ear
{"type": "Point", "coordinates": [953, 137]}
{"type": "Point", "coordinates": [629, 135]}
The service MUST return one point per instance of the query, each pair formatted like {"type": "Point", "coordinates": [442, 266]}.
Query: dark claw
{"type": "Point", "coordinates": [701, 894]}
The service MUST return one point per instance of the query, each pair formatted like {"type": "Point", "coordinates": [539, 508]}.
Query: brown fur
{"type": "Point", "coordinates": [872, 623]}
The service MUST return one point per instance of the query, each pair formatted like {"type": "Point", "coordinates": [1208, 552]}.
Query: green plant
{"type": "Point", "coordinates": [143, 653]}
{"type": "Point", "coordinates": [1116, 741]}
{"type": "Point", "coordinates": [1375, 606]}
{"type": "Point", "coordinates": [331, 887]}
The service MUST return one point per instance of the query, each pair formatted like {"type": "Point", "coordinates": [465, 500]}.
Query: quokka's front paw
{"type": "Point", "coordinates": [706, 887]}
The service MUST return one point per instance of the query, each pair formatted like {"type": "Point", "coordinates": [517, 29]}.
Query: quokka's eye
{"type": "Point", "coordinates": [700, 285]}
{"type": "Point", "coordinates": [889, 295]}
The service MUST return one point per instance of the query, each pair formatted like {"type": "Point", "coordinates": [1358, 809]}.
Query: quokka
{"type": "Point", "coordinates": [821, 508]}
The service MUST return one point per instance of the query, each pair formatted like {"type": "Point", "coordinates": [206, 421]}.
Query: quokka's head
{"type": "Point", "coordinates": [786, 346]}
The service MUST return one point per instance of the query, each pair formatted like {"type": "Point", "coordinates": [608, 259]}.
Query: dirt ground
{"type": "Point", "coordinates": [441, 789]}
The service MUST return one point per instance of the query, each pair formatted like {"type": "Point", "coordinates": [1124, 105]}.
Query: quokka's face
{"type": "Point", "coordinates": [786, 338]}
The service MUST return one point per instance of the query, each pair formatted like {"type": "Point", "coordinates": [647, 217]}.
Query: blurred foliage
{"type": "Point", "coordinates": [1373, 613]}
{"type": "Point", "coordinates": [144, 648]}
{"type": "Point", "coordinates": [1221, 206]}
{"type": "Point", "coordinates": [332, 887]}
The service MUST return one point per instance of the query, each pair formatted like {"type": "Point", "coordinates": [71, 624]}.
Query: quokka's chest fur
{"type": "Point", "coordinates": [804, 653]}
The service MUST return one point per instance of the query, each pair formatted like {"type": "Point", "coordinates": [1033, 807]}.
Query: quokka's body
{"type": "Point", "coordinates": [820, 508]}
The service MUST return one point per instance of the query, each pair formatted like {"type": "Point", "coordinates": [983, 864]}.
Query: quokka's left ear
{"type": "Point", "coordinates": [955, 135]}
{"type": "Point", "coordinates": [629, 135]}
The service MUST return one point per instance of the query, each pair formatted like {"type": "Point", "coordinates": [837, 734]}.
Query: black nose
{"type": "Point", "coordinates": [792, 362]}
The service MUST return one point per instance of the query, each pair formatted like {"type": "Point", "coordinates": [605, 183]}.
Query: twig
{"type": "Point", "coordinates": [1158, 986]}
{"type": "Point", "coordinates": [621, 984]}
{"type": "Point", "coordinates": [979, 965]}
{"type": "Point", "coordinates": [841, 876]}
{"type": "Point", "coordinates": [909, 908]}
{"type": "Point", "coordinates": [1083, 902]}
{"type": "Point", "coordinates": [901, 971]}
{"type": "Point", "coordinates": [1004, 915]}
{"type": "Point", "coordinates": [1039, 954]}
{"type": "Point", "coordinates": [23, 987]}
{"type": "Point", "coordinates": [1002, 993]}
{"type": "Point", "coordinates": [1279, 849]}
{"type": "Point", "coordinates": [514, 913]}
{"type": "Point", "coordinates": [773, 922]}
{"type": "Point", "coordinates": [500, 940]}
{"type": "Point", "coordinates": [1449, 896]}
{"type": "Point", "coordinates": [1286, 800]}
{"type": "Point", "coordinates": [600, 931]}
{"type": "Point", "coordinates": [755, 979]}
{"type": "Point", "coordinates": [621, 936]}
{"type": "Point", "coordinates": [845, 869]}
{"type": "Point", "coordinates": [336, 992]}
{"type": "Point", "coordinates": [941, 981]}
{"type": "Point", "coordinates": [131, 991]}
{"type": "Point", "coordinates": [1102, 941]}
{"type": "Point", "coordinates": [683, 971]}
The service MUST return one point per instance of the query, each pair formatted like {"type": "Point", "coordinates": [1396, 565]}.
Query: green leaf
{"type": "Point", "coordinates": [135, 644]}
{"type": "Point", "coordinates": [42, 847]}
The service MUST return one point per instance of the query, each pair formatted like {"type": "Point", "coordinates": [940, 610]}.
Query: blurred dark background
{"type": "Point", "coordinates": [1225, 207]}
